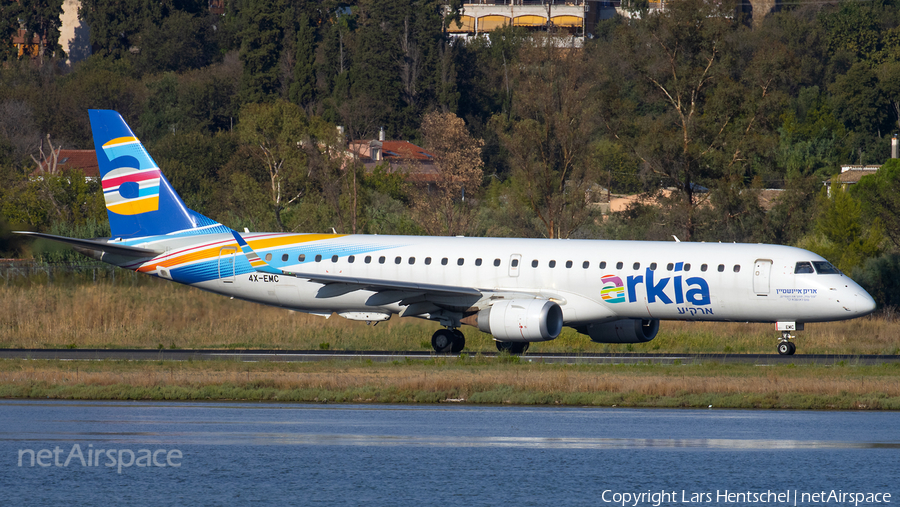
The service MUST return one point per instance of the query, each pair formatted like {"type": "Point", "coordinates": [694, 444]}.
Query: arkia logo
{"type": "Point", "coordinates": [697, 290]}
{"type": "Point", "coordinates": [133, 187]}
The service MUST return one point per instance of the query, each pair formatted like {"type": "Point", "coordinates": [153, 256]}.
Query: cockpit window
{"type": "Point", "coordinates": [825, 268]}
{"type": "Point", "coordinates": [803, 268]}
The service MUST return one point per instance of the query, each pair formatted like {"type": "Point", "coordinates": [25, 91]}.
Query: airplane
{"type": "Point", "coordinates": [518, 290]}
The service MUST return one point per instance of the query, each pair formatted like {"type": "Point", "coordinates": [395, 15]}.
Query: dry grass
{"type": "Point", "coordinates": [475, 380]}
{"type": "Point", "coordinates": [154, 314]}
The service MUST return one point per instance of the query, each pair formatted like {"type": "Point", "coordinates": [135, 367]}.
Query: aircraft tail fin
{"type": "Point", "coordinates": [140, 201]}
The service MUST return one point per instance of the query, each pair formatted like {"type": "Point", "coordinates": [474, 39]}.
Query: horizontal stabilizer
{"type": "Point", "coordinates": [97, 245]}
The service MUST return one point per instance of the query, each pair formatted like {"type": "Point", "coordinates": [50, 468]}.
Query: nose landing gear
{"type": "Point", "coordinates": [785, 346]}
{"type": "Point", "coordinates": [445, 341]}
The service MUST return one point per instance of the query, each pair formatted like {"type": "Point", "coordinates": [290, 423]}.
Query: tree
{"type": "Point", "coordinates": [446, 208]}
{"type": "Point", "coordinates": [42, 20]}
{"type": "Point", "coordinates": [879, 196]}
{"type": "Point", "coordinates": [553, 117]}
{"type": "Point", "coordinates": [303, 89]}
{"type": "Point", "coordinates": [275, 133]}
{"type": "Point", "coordinates": [841, 235]}
{"type": "Point", "coordinates": [261, 50]}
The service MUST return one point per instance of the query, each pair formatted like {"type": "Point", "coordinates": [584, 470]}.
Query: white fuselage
{"type": "Point", "coordinates": [591, 280]}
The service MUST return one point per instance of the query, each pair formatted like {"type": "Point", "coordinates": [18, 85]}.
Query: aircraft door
{"type": "Point", "coordinates": [226, 264]}
{"type": "Point", "coordinates": [515, 262]}
{"type": "Point", "coordinates": [762, 270]}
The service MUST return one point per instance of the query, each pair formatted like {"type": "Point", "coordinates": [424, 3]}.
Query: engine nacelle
{"type": "Point", "coordinates": [622, 331]}
{"type": "Point", "coordinates": [522, 320]}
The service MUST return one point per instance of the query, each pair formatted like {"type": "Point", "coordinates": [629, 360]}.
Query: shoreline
{"type": "Point", "coordinates": [473, 381]}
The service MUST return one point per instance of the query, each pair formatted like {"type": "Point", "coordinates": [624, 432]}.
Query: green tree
{"type": "Point", "coordinates": [261, 49]}
{"type": "Point", "coordinates": [42, 19]}
{"type": "Point", "coordinates": [292, 149]}
{"type": "Point", "coordinates": [841, 236]}
{"type": "Point", "coordinates": [879, 197]}
{"type": "Point", "coordinates": [303, 88]}
{"type": "Point", "coordinates": [553, 114]}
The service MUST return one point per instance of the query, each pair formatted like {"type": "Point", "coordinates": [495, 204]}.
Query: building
{"type": "Point", "coordinates": [850, 175]}
{"type": "Point", "coordinates": [396, 157]}
{"type": "Point", "coordinates": [577, 17]}
{"type": "Point", "coordinates": [84, 160]}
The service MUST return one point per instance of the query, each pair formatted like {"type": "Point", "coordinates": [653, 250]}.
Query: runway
{"type": "Point", "coordinates": [388, 356]}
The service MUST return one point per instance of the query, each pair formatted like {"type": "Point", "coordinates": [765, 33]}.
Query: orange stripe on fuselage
{"type": "Point", "coordinates": [199, 253]}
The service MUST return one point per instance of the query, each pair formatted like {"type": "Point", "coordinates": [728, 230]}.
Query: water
{"type": "Point", "coordinates": [264, 453]}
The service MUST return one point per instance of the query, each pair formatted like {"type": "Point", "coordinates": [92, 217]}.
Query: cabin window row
{"type": "Point", "coordinates": [515, 263]}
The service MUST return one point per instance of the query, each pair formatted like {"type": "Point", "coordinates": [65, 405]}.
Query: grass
{"type": "Point", "coordinates": [476, 380]}
{"type": "Point", "coordinates": [156, 314]}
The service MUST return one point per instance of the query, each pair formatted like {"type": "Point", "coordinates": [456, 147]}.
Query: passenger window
{"type": "Point", "coordinates": [268, 257]}
{"type": "Point", "coordinates": [687, 267]}
{"type": "Point", "coordinates": [652, 266]}
{"type": "Point", "coordinates": [444, 261]}
{"type": "Point", "coordinates": [568, 264]}
{"type": "Point", "coordinates": [381, 260]}
{"type": "Point", "coordinates": [334, 258]}
{"type": "Point", "coordinates": [721, 268]}
{"type": "Point", "coordinates": [803, 268]}
{"type": "Point", "coordinates": [496, 262]}
{"type": "Point", "coordinates": [552, 264]}
{"type": "Point", "coordinates": [703, 267]}
{"type": "Point", "coordinates": [585, 264]}
{"type": "Point", "coordinates": [318, 258]}
{"type": "Point", "coordinates": [478, 262]}
{"type": "Point", "coordinates": [514, 263]}
{"type": "Point", "coordinates": [825, 268]}
{"type": "Point", "coordinates": [351, 259]}
{"type": "Point", "coordinates": [368, 259]}
{"type": "Point", "coordinates": [737, 268]}
{"type": "Point", "coordinates": [534, 263]}
{"type": "Point", "coordinates": [637, 266]}
{"type": "Point", "coordinates": [412, 260]}
{"type": "Point", "coordinates": [602, 264]}
{"type": "Point", "coordinates": [284, 257]}
{"type": "Point", "coordinates": [428, 261]}
{"type": "Point", "coordinates": [398, 259]}
{"type": "Point", "coordinates": [460, 261]}
{"type": "Point", "coordinates": [619, 265]}
{"type": "Point", "coordinates": [301, 257]}
{"type": "Point", "coordinates": [670, 266]}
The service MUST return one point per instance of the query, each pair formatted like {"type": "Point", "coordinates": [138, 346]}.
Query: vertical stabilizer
{"type": "Point", "coordinates": [140, 201]}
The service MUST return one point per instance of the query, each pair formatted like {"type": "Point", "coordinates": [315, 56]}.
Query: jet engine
{"type": "Point", "coordinates": [521, 320]}
{"type": "Point", "coordinates": [622, 331]}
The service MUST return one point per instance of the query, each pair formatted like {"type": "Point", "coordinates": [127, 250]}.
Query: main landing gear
{"type": "Point", "coordinates": [785, 346]}
{"type": "Point", "coordinates": [445, 341]}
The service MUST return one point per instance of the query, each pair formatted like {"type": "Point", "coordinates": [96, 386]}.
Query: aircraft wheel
{"type": "Point", "coordinates": [786, 348]}
{"type": "Point", "coordinates": [459, 341]}
{"type": "Point", "coordinates": [793, 348]}
{"type": "Point", "coordinates": [514, 348]}
{"type": "Point", "coordinates": [442, 341]}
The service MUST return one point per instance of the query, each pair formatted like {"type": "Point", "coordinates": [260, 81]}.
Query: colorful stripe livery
{"type": "Point", "coordinates": [200, 262]}
{"type": "Point", "coordinates": [130, 190]}
{"type": "Point", "coordinates": [139, 199]}
{"type": "Point", "coordinates": [254, 260]}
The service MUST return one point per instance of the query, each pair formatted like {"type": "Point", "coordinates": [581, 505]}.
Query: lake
{"type": "Point", "coordinates": [159, 453]}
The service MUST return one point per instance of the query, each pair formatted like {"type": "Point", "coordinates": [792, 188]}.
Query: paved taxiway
{"type": "Point", "coordinates": [387, 356]}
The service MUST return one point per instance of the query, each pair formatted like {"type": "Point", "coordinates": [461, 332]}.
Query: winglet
{"type": "Point", "coordinates": [255, 261]}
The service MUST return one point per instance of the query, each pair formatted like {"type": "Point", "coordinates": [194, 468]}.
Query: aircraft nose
{"type": "Point", "coordinates": [864, 303]}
